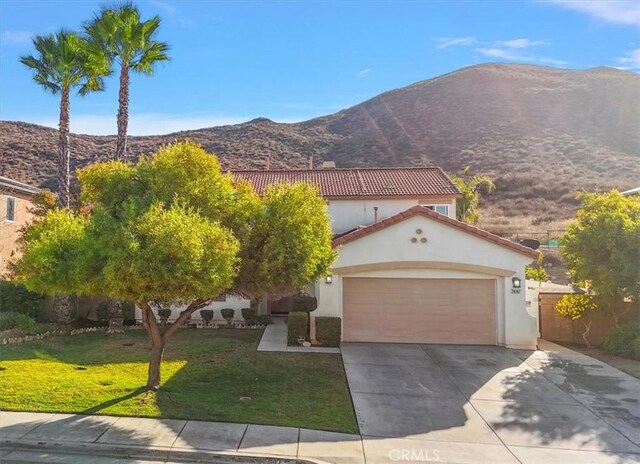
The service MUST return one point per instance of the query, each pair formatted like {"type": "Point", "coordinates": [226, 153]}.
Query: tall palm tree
{"type": "Point", "coordinates": [129, 42]}
{"type": "Point", "coordinates": [62, 62]}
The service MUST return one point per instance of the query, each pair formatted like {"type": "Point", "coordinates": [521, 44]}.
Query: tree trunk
{"type": "Point", "coordinates": [155, 360]}
{"type": "Point", "coordinates": [123, 114]}
{"type": "Point", "coordinates": [64, 150]}
{"type": "Point", "coordinates": [158, 341]}
{"type": "Point", "coordinates": [116, 320]}
{"type": "Point", "coordinates": [585, 334]}
{"type": "Point", "coordinates": [63, 310]}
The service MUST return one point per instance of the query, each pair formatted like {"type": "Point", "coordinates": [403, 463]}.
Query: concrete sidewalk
{"type": "Point", "coordinates": [171, 439]}
{"type": "Point", "coordinates": [274, 338]}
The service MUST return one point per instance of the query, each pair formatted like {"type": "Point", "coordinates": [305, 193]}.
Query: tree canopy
{"type": "Point", "coordinates": [602, 248]}
{"type": "Point", "coordinates": [471, 187]}
{"type": "Point", "coordinates": [174, 227]}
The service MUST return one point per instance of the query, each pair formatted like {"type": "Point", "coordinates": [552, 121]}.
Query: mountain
{"type": "Point", "coordinates": [542, 133]}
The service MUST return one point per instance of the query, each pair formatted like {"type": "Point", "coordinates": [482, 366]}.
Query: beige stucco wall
{"type": "Point", "coordinates": [9, 230]}
{"type": "Point", "coordinates": [348, 214]}
{"type": "Point", "coordinates": [447, 253]}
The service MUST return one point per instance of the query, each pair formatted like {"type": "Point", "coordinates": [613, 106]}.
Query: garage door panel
{"type": "Point", "coordinates": [419, 310]}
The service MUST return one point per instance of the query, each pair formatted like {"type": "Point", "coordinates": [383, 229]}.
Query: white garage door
{"type": "Point", "coordinates": [419, 310]}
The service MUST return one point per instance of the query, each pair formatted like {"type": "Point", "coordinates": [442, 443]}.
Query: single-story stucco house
{"type": "Point", "coordinates": [407, 270]}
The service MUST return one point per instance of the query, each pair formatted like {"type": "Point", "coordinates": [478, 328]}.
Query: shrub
{"type": "Point", "coordinates": [297, 327]}
{"type": "Point", "coordinates": [165, 314]}
{"type": "Point", "coordinates": [264, 320]}
{"type": "Point", "coordinates": [329, 330]}
{"type": "Point", "coordinates": [249, 314]}
{"type": "Point", "coordinates": [575, 307]}
{"type": "Point", "coordinates": [227, 314]}
{"type": "Point", "coordinates": [15, 298]}
{"type": "Point", "coordinates": [102, 311]}
{"type": "Point", "coordinates": [303, 303]}
{"type": "Point", "coordinates": [206, 315]}
{"type": "Point", "coordinates": [624, 341]}
{"type": "Point", "coordinates": [18, 321]}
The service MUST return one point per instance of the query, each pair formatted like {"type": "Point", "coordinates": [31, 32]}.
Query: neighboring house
{"type": "Point", "coordinates": [15, 203]}
{"type": "Point", "coordinates": [407, 270]}
{"type": "Point", "coordinates": [635, 191]}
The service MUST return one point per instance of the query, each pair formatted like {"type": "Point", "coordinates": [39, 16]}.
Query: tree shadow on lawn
{"type": "Point", "coordinates": [214, 375]}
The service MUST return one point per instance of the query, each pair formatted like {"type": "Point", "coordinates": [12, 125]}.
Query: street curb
{"type": "Point", "coordinates": [149, 453]}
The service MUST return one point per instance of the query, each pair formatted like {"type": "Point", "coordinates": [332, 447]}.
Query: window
{"type": "Point", "coordinates": [11, 209]}
{"type": "Point", "coordinates": [442, 209]}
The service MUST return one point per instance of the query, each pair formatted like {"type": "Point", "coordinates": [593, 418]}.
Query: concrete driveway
{"type": "Point", "coordinates": [445, 403]}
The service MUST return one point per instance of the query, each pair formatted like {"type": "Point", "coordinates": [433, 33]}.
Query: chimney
{"type": "Point", "coordinates": [328, 165]}
{"type": "Point", "coordinates": [310, 162]}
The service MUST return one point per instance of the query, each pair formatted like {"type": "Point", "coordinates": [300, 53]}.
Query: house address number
{"type": "Point", "coordinates": [515, 290]}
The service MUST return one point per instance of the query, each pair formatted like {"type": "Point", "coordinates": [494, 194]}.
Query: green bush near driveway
{"type": "Point", "coordinates": [624, 341]}
{"type": "Point", "coordinates": [205, 373]}
{"type": "Point", "coordinates": [297, 327]}
{"type": "Point", "coordinates": [329, 331]}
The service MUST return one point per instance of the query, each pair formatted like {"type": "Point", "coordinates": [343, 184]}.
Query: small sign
{"type": "Point", "coordinates": [515, 290]}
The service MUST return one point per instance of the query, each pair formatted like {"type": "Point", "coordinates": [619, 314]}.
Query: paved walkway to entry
{"type": "Point", "coordinates": [274, 338]}
{"type": "Point", "coordinates": [476, 404]}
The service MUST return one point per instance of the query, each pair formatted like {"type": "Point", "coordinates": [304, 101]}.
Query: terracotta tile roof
{"type": "Point", "coordinates": [359, 182]}
{"type": "Point", "coordinates": [421, 210]}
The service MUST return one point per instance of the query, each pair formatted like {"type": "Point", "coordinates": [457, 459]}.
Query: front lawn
{"type": "Point", "coordinates": [205, 375]}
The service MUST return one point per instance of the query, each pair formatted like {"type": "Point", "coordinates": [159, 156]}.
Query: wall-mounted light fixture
{"type": "Point", "coordinates": [516, 282]}
{"type": "Point", "coordinates": [328, 279]}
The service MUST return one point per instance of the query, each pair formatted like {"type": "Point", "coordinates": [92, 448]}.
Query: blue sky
{"type": "Point", "coordinates": [293, 60]}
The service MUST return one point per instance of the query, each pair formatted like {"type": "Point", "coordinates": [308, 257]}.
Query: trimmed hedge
{"type": "Point", "coordinates": [329, 330]}
{"type": "Point", "coordinates": [304, 303]}
{"type": "Point", "coordinates": [227, 315]}
{"type": "Point", "coordinates": [15, 298]}
{"type": "Point", "coordinates": [624, 341]}
{"type": "Point", "coordinates": [206, 315]}
{"type": "Point", "coordinates": [297, 327]}
{"type": "Point", "coordinates": [18, 321]}
{"type": "Point", "coordinates": [249, 315]}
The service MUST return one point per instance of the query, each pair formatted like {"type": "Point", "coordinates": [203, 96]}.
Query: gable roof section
{"type": "Point", "coordinates": [422, 211]}
{"type": "Point", "coordinates": [10, 185]}
{"type": "Point", "coordinates": [358, 182]}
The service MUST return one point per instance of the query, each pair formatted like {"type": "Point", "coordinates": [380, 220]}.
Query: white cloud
{"type": "Point", "coordinates": [520, 43]}
{"type": "Point", "coordinates": [444, 42]}
{"type": "Point", "coordinates": [15, 37]}
{"type": "Point", "coordinates": [625, 12]}
{"type": "Point", "coordinates": [364, 72]}
{"type": "Point", "coordinates": [146, 124]}
{"type": "Point", "coordinates": [517, 50]}
{"type": "Point", "coordinates": [630, 61]}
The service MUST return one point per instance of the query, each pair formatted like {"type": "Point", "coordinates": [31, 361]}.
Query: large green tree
{"type": "Point", "coordinates": [471, 186]}
{"type": "Point", "coordinates": [123, 38]}
{"type": "Point", "coordinates": [63, 62]}
{"type": "Point", "coordinates": [602, 249]}
{"type": "Point", "coordinates": [175, 228]}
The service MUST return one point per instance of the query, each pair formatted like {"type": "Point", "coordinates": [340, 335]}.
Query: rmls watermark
{"type": "Point", "coordinates": [414, 455]}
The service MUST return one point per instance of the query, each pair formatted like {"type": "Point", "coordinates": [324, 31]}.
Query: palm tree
{"type": "Point", "coordinates": [63, 63]}
{"type": "Point", "coordinates": [130, 42]}
{"type": "Point", "coordinates": [471, 188]}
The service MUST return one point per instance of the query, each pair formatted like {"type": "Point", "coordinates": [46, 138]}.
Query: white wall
{"type": "Point", "coordinates": [349, 214]}
{"type": "Point", "coordinates": [233, 302]}
{"type": "Point", "coordinates": [447, 253]}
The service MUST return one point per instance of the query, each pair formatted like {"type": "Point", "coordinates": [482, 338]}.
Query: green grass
{"type": "Point", "coordinates": [204, 374]}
